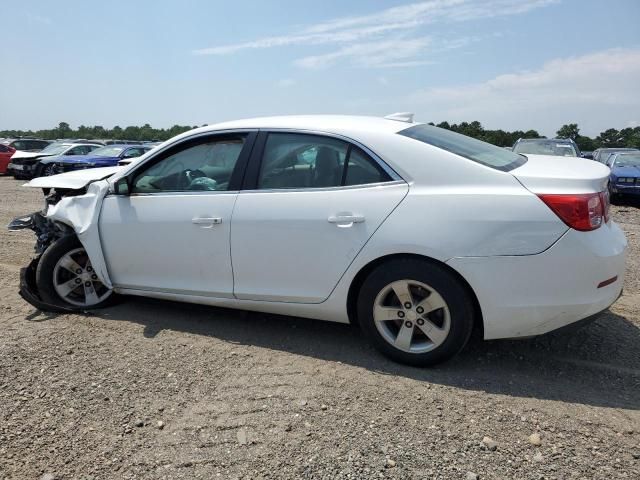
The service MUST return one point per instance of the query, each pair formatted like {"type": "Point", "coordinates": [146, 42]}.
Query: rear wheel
{"type": "Point", "coordinates": [66, 277]}
{"type": "Point", "coordinates": [415, 312]}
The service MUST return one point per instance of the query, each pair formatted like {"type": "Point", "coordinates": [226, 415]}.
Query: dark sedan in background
{"type": "Point", "coordinates": [108, 156]}
{"type": "Point", "coordinates": [625, 174]}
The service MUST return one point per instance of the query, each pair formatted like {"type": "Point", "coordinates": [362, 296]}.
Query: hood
{"type": "Point", "coordinates": [552, 174]}
{"type": "Point", "coordinates": [626, 171]}
{"type": "Point", "coordinates": [73, 180]}
{"type": "Point", "coordinates": [21, 154]}
{"type": "Point", "coordinates": [81, 159]}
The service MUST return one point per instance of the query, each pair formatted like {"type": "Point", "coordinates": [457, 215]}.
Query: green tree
{"type": "Point", "coordinates": [610, 138]}
{"type": "Point", "coordinates": [64, 130]}
{"type": "Point", "coordinates": [570, 130]}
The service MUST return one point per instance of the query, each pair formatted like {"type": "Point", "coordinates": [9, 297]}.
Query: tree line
{"type": "Point", "coordinates": [64, 130]}
{"type": "Point", "coordinates": [627, 137]}
{"type": "Point", "coordinates": [610, 138]}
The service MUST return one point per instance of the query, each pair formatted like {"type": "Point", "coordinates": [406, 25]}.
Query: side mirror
{"type": "Point", "coordinates": [121, 187]}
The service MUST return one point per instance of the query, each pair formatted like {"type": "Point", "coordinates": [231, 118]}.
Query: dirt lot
{"type": "Point", "coordinates": [151, 389]}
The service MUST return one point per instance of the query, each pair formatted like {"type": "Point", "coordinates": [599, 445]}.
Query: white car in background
{"type": "Point", "coordinates": [24, 164]}
{"type": "Point", "coordinates": [417, 234]}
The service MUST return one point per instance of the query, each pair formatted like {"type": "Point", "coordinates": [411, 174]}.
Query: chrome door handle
{"type": "Point", "coordinates": [206, 220]}
{"type": "Point", "coordinates": [346, 219]}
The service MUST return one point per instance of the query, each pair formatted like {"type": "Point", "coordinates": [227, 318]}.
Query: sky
{"type": "Point", "coordinates": [511, 64]}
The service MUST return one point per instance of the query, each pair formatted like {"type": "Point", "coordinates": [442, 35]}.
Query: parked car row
{"type": "Point", "coordinates": [624, 163]}
{"type": "Point", "coordinates": [29, 158]}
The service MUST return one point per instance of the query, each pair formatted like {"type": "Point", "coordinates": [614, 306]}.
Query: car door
{"type": "Point", "coordinates": [170, 233]}
{"type": "Point", "coordinates": [311, 203]}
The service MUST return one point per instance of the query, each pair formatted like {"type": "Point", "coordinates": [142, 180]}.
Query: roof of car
{"type": "Point", "coordinates": [621, 149]}
{"type": "Point", "coordinates": [543, 140]}
{"type": "Point", "coordinates": [324, 123]}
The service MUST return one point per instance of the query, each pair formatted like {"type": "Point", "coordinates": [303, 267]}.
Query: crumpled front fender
{"type": "Point", "coordinates": [81, 213]}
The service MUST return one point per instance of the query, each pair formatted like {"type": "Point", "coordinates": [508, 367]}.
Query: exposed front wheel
{"type": "Point", "coordinates": [49, 170]}
{"type": "Point", "coordinates": [66, 277]}
{"type": "Point", "coordinates": [415, 312]}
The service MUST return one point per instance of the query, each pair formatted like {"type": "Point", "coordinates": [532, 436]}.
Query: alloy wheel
{"type": "Point", "coordinates": [412, 316]}
{"type": "Point", "coordinates": [75, 281]}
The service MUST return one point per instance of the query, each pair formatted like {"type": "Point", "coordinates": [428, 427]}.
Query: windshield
{"type": "Point", "coordinates": [627, 160]}
{"type": "Point", "coordinates": [547, 147]}
{"type": "Point", "coordinates": [107, 151]}
{"type": "Point", "coordinates": [55, 148]}
{"type": "Point", "coordinates": [467, 147]}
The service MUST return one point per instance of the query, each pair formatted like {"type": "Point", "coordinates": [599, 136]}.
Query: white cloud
{"type": "Point", "coordinates": [367, 33]}
{"type": "Point", "coordinates": [38, 19]}
{"type": "Point", "coordinates": [286, 83]}
{"type": "Point", "coordinates": [372, 54]}
{"type": "Point", "coordinates": [600, 89]}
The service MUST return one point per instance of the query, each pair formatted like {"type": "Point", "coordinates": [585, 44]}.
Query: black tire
{"type": "Point", "coordinates": [445, 283]}
{"type": "Point", "coordinates": [48, 170]}
{"type": "Point", "coordinates": [45, 271]}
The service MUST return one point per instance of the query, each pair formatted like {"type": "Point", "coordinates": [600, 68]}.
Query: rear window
{"type": "Point", "coordinates": [467, 147]}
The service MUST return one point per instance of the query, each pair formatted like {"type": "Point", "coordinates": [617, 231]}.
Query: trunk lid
{"type": "Point", "coordinates": [546, 174]}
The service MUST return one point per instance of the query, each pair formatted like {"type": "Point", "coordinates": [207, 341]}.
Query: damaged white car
{"type": "Point", "coordinates": [417, 234]}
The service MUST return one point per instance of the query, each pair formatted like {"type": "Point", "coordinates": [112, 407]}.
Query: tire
{"type": "Point", "coordinates": [54, 275]}
{"type": "Point", "coordinates": [439, 304]}
{"type": "Point", "coordinates": [48, 170]}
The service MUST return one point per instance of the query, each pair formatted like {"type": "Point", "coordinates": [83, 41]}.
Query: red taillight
{"type": "Point", "coordinates": [581, 211]}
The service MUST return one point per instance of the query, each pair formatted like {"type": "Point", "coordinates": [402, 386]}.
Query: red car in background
{"type": "Point", "coordinates": [5, 155]}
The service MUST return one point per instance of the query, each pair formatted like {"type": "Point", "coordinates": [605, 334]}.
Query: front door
{"type": "Point", "coordinates": [171, 233]}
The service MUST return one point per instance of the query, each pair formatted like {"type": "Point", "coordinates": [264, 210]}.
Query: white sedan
{"type": "Point", "coordinates": [417, 234]}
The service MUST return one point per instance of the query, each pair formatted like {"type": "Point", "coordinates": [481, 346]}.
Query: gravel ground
{"type": "Point", "coordinates": [152, 389]}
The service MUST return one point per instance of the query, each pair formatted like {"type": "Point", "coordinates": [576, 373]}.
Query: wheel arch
{"type": "Point", "coordinates": [363, 273]}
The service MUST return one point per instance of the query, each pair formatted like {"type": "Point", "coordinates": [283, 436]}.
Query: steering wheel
{"type": "Point", "coordinates": [189, 176]}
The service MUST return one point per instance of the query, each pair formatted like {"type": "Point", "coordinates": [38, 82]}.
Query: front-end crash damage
{"type": "Point", "coordinates": [68, 211]}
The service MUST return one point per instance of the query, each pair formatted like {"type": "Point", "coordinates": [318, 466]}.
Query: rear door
{"type": "Point", "coordinates": [311, 203]}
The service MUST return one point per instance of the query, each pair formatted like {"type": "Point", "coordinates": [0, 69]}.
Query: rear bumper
{"type": "Point", "coordinates": [535, 294]}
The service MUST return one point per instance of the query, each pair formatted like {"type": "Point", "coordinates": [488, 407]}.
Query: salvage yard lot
{"type": "Point", "coordinates": [152, 389]}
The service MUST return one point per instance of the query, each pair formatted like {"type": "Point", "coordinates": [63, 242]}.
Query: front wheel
{"type": "Point", "coordinates": [49, 170]}
{"type": "Point", "coordinates": [66, 277]}
{"type": "Point", "coordinates": [415, 312]}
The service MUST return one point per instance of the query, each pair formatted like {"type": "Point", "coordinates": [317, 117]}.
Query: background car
{"type": "Point", "coordinates": [23, 164]}
{"type": "Point", "coordinates": [602, 154]}
{"type": "Point", "coordinates": [26, 144]}
{"type": "Point", "coordinates": [108, 156]}
{"type": "Point", "coordinates": [560, 147]}
{"type": "Point", "coordinates": [5, 157]}
{"type": "Point", "coordinates": [587, 154]}
{"type": "Point", "coordinates": [625, 174]}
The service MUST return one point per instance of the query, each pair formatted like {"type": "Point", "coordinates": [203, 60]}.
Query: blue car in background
{"type": "Point", "coordinates": [625, 174]}
{"type": "Point", "coordinates": [108, 156]}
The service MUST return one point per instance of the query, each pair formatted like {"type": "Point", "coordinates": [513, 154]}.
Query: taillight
{"type": "Point", "coordinates": [581, 211]}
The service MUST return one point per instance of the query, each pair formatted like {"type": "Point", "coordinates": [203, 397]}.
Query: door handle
{"type": "Point", "coordinates": [345, 219]}
{"type": "Point", "coordinates": [206, 221]}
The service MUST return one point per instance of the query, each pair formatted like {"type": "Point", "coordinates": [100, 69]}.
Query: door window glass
{"type": "Point", "coordinates": [206, 166]}
{"type": "Point", "coordinates": [361, 169]}
{"type": "Point", "coordinates": [293, 160]}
